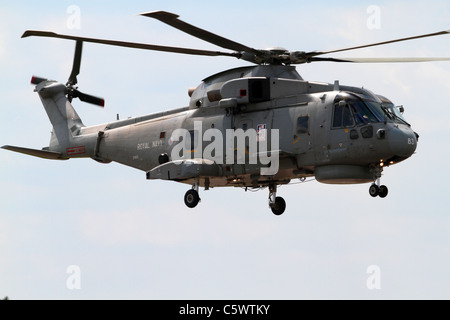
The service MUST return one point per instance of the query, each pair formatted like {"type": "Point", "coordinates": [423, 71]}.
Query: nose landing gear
{"type": "Point", "coordinates": [378, 191]}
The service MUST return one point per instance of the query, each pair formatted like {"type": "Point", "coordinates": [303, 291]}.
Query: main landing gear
{"type": "Point", "coordinates": [192, 198]}
{"type": "Point", "coordinates": [277, 204]}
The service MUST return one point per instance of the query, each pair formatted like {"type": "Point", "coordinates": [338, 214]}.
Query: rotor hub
{"type": "Point", "coordinates": [277, 50]}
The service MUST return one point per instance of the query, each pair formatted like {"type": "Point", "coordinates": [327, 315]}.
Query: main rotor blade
{"type": "Point", "coordinates": [76, 64]}
{"type": "Point", "coordinates": [318, 53]}
{"type": "Point", "coordinates": [172, 20]}
{"type": "Point", "coordinates": [30, 33]}
{"type": "Point", "coordinates": [378, 60]}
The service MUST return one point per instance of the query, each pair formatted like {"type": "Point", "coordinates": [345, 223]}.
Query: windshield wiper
{"type": "Point", "coordinates": [393, 116]}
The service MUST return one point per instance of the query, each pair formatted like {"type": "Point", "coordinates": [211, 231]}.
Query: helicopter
{"type": "Point", "coordinates": [253, 127]}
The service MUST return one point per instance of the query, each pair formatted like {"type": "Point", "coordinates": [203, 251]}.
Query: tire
{"type": "Point", "coordinates": [383, 192]}
{"type": "Point", "coordinates": [191, 199]}
{"type": "Point", "coordinates": [374, 191]}
{"type": "Point", "coordinates": [279, 207]}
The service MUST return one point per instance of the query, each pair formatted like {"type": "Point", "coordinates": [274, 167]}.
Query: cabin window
{"type": "Point", "coordinates": [342, 117]}
{"type": "Point", "coordinates": [162, 135]}
{"type": "Point", "coordinates": [303, 125]}
{"type": "Point", "coordinates": [259, 90]}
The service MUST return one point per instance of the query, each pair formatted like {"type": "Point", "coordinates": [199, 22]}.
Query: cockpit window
{"type": "Point", "coordinates": [376, 109]}
{"type": "Point", "coordinates": [357, 111]}
{"type": "Point", "coordinates": [342, 117]}
{"type": "Point", "coordinates": [394, 113]}
{"type": "Point", "coordinates": [361, 111]}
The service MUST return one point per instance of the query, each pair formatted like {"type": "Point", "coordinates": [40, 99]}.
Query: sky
{"type": "Point", "coordinates": [78, 229]}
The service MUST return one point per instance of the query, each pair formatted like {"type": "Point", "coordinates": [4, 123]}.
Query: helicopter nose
{"type": "Point", "coordinates": [403, 141]}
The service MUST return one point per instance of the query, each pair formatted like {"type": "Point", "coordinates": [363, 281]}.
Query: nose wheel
{"type": "Point", "coordinates": [376, 190]}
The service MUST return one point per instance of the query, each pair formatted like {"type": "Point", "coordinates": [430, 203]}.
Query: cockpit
{"type": "Point", "coordinates": [353, 110]}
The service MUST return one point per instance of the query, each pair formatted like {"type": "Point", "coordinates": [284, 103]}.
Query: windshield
{"type": "Point", "coordinates": [395, 113]}
{"type": "Point", "coordinates": [367, 112]}
{"type": "Point", "coordinates": [356, 111]}
{"type": "Point", "coordinates": [351, 112]}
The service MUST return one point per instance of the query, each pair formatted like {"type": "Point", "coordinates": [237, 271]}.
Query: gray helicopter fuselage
{"type": "Point", "coordinates": [259, 126]}
{"type": "Point", "coordinates": [324, 130]}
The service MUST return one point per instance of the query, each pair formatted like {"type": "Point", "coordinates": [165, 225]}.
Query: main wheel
{"type": "Point", "coordinates": [374, 191]}
{"type": "Point", "coordinates": [279, 206]}
{"type": "Point", "coordinates": [191, 198]}
{"type": "Point", "coordinates": [383, 192]}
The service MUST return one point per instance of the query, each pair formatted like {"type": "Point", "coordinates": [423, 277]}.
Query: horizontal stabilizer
{"type": "Point", "coordinates": [36, 153]}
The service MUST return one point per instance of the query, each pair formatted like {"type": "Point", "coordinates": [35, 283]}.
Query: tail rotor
{"type": "Point", "coordinates": [71, 88]}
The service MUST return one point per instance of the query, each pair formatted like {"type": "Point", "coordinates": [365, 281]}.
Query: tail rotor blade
{"type": "Point", "coordinates": [88, 98]}
{"type": "Point", "coordinates": [36, 80]}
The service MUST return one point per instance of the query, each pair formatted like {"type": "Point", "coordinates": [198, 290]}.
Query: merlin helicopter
{"type": "Point", "coordinates": [253, 127]}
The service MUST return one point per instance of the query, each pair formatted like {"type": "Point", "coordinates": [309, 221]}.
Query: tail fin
{"type": "Point", "coordinates": [65, 120]}
{"type": "Point", "coordinates": [66, 141]}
